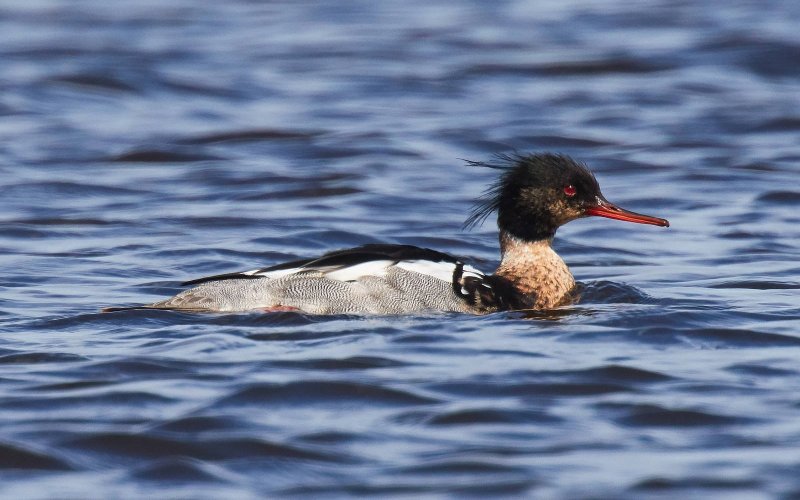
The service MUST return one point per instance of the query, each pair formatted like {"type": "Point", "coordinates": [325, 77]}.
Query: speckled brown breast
{"type": "Point", "coordinates": [536, 271]}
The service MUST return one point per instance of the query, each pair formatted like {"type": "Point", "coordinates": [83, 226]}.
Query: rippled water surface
{"type": "Point", "coordinates": [148, 143]}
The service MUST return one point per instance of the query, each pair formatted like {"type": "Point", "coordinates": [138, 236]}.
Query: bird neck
{"type": "Point", "coordinates": [535, 270]}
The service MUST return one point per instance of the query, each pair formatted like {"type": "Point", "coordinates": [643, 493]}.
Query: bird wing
{"type": "Point", "coordinates": [366, 260]}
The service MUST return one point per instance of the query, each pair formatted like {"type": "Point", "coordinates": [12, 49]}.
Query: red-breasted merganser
{"type": "Point", "coordinates": [533, 197]}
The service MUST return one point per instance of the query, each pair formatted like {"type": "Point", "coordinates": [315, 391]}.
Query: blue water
{"type": "Point", "coordinates": [148, 143]}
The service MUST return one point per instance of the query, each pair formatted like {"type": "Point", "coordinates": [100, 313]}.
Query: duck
{"type": "Point", "coordinates": [533, 196]}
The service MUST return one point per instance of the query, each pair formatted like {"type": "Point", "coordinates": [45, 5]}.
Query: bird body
{"type": "Point", "coordinates": [371, 279]}
{"type": "Point", "coordinates": [533, 196]}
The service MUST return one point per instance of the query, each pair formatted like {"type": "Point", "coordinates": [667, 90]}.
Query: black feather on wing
{"type": "Point", "coordinates": [220, 277]}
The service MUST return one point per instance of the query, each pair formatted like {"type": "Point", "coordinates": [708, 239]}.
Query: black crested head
{"type": "Point", "coordinates": [535, 194]}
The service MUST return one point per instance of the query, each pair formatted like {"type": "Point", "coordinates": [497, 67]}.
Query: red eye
{"type": "Point", "coordinates": [569, 190]}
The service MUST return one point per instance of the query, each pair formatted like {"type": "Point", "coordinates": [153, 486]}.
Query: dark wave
{"type": "Point", "coordinates": [252, 135]}
{"type": "Point", "coordinates": [179, 470]}
{"type": "Point", "coordinates": [94, 81]}
{"type": "Point", "coordinates": [350, 363]}
{"type": "Point", "coordinates": [160, 156]}
{"type": "Point", "coordinates": [323, 392]}
{"type": "Point", "coordinates": [657, 416]}
{"type": "Point", "coordinates": [570, 68]}
{"type": "Point", "coordinates": [13, 457]}
{"type": "Point", "coordinates": [487, 416]}
{"type": "Point", "coordinates": [132, 447]}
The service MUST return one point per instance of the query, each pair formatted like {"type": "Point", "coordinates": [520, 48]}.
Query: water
{"type": "Point", "coordinates": [156, 142]}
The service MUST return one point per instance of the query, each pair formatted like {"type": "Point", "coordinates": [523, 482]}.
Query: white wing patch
{"type": "Point", "coordinates": [275, 274]}
{"type": "Point", "coordinates": [471, 271]}
{"type": "Point", "coordinates": [439, 270]}
{"type": "Point", "coordinates": [339, 273]}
